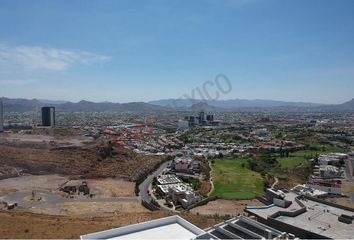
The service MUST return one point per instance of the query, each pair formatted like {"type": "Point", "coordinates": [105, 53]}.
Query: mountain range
{"type": "Point", "coordinates": [24, 105]}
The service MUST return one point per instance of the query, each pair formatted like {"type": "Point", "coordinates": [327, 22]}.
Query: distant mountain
{"type": "Point", "coordinates": [201, 106]}
{"type": "Point", "coordinates": [348, 105]}
{"type": "Point", "coordinates": [232, 103]}
{"type": "Point", "coordinates": [51, 101]}
{"type": "Point", "coordinates": [344, 107]}
{"type": "Point", "coordinates": [24, 105]}
{"type": "Point", "coordinates": [20, 105]}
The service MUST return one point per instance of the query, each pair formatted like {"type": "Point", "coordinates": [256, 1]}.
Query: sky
{"type": "Point", "coordinates": [142, 50]}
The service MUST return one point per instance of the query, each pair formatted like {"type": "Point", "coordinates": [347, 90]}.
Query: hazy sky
{"type": "Point", "coordinates": [151, 49]}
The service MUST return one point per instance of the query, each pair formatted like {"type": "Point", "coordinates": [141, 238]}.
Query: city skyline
{"type": "Point", "coordinates": [148, 50]}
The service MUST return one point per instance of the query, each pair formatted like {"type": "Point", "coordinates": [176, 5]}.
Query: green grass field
{"type": "Point", "coordinates": [234, 181]}
{"type": "Point", "coordinates": [291, 162]}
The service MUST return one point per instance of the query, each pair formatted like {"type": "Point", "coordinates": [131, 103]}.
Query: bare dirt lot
{"type": "Point", "coordinates": [110, 195]}
{"type": "Point", "coordinates": [342, 201]}
{"type": "Point", "coordinates": [15, 139]}
{"type": "Point", "coordinates": [225, 207]}
{"type": "Point", "coordinates": [108, 187]}
{"type": "Point", "coordinates": [27, 225]}
{"type": "Point", "coordinates": [88, 209]}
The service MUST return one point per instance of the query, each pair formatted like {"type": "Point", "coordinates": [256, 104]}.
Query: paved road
{"type": "Point", "coordinates": [144, 186]}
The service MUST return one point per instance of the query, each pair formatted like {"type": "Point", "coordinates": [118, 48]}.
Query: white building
{"type": "Point", "coordinates": [184, 195]}
{"type": "Point", "coordinates": [176, 227]}
{"type": "Point", "coordinates": [173, 227]}
{"type": "Point", "coordinates": [329, 171]}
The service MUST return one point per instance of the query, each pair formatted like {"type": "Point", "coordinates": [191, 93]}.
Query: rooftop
{"type": "Point", "coordinates": [242, 228]}
{"type": "Point", "coordinates": [318, 216]}
{"type": "Point", "coordinates": [173, 227]}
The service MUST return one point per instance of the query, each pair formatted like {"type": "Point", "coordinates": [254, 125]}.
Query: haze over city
{"type": "Point", "coordinates": [124, 51]}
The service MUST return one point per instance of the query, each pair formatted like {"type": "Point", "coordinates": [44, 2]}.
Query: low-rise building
{"type": "Point", "coordinates": [175, 227]}
{"type": "Point", "coordinates": [182, 164]}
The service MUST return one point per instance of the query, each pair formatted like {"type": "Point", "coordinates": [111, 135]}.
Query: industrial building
{"type": "Point", "coordinates": [1, 116]}
{"type": "Point", "coordinates": [48, 117]}
{"type": "Point", "coordinates": [176, 227]}
{"type": "Point", "coordinates": [306, 217]}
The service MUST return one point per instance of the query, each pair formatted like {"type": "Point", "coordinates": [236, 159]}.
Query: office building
{"type": "Point", "coordinates": [210, 118]}
{"type": "Point", "coordinates": [48, 116]}
{"type": "Point", "coordinates": [201, 118]}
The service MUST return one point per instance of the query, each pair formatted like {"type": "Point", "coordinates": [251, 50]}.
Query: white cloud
{"type": "Point", "coordinates": [39, 58]}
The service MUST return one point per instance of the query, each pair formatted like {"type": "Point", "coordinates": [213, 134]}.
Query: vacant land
{"type": "Point", "coordinates": [37, 226]}
{"type": "Point", "coordinates": [223, 207]}
{"type": "Point", "coordinates": [83, 162]}
{"type": "Point", "coordinates": [233, 180]}
{"type": "Point", "coordinates": [109, 196]}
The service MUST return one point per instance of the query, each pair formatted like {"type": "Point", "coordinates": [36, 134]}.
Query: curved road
{"type": "Point", "coordinates": [144, 186]}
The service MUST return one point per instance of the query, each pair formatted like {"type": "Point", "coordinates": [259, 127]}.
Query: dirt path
{"type": "Point", "coordinates": [211, 179]}
{"type": "Point", "coordinates": [276, 181]}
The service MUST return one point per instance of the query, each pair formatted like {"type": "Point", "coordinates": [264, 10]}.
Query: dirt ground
{"type": "Point", "coordinates": [27, 225]}
{"type": "Point", "coordinates": [30, 182]}
{"type": "Point", "coordinates": [104, 188]}
{"type": "Point", "coordinates": [225, 207]}
{"type": "Point", "coordinates": [16, 139]}
{"type": "Point", "coordinates": [342, 201]}
{"type": "Point", "coordinates": [108, 194]}
{"type": "Point", "coordinates": [88, 209]}
{"type": "Point", "coordinates": [82, 162]}
{"type": "Point", "coordinates": [348, 187]}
